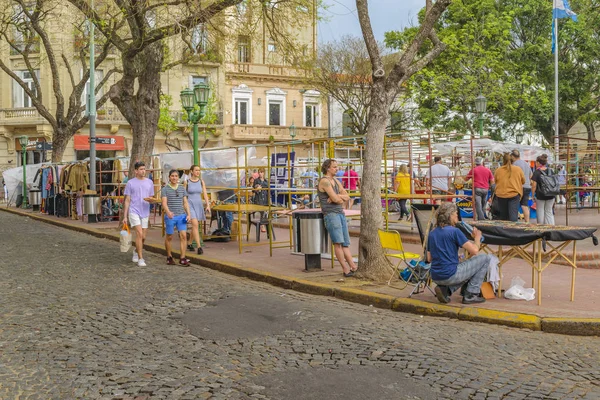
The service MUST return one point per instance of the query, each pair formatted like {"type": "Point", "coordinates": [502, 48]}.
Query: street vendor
{"type": "Point", "coordinates": [442, 252]}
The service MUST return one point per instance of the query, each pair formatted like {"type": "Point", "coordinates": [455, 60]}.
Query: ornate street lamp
{"type": "Point", "coordinates": [189, 99]}
{"type": "Point", "coordinates": [519, 137]}
{"type": "Point", "coordinates": [480, 107]}
{"type": "Point", "coordinates": [293, 133]}
{"type": "Point", "coordinates": [24, 140]}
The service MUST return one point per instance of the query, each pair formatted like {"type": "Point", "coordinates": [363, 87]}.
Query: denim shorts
{"type": "Point", "coordinates": [337, 227]}
{"type": "Point", "coordinates": [178, 220]}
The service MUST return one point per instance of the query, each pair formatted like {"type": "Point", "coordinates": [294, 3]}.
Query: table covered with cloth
{"type": "Point", "coordinates": [545, 240]}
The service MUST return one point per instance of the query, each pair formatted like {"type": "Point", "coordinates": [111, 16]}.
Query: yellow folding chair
{"type": "Point", "coordinates": [391, 241]}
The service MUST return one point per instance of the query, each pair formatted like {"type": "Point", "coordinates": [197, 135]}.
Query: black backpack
{"type": "Point", "coordinates": [548, 184]}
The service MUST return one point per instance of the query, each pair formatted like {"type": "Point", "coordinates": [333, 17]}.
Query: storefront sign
{"type": "Point", "coordinates": [41, 146]}
{"type": "Point", "coordinates": [115, 143]}
{"type": "Point", "coordinates": [32, 143]}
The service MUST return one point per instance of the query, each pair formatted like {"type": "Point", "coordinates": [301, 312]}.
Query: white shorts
{"type": "Point", "coordinates": [135, 220]}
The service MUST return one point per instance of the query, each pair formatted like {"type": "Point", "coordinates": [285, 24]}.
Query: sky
{"type": "Point", "coordinates": [386, 15]}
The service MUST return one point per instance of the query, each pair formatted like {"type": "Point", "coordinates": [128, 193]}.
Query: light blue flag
{"type": "Point", "coordinates": [561, 9]}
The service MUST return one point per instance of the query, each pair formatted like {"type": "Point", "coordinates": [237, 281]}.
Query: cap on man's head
{"type": "Point", "coordinates": [515, 153]}
{"type": "Point", "coordinates": [478, 160]}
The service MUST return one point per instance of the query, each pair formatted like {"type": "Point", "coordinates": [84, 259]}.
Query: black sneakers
{"type": "Point", "coordinates": [471, 298]}
{"type": "Point", "coordinates": [443, 294]}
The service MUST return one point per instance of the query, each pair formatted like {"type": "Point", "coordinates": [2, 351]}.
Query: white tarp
{"type": "Point", "coordinates": [528, 153]}
{"type": "Point", "coordinates": [223, 159]}
{"type": "Point", "coordinates": [14, 177]}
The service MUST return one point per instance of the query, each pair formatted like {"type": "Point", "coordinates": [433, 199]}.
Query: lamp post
{"type": "Point", "coordinates": [519, 137]}
{"type": "Point", "coordinates": [189, 99]}
{"type": "Point", "coordinates": [23, 140]}
{"type": "Point", "coordinates": [480, 107]}
{"type": "Point", "coordinates": [293, 133]}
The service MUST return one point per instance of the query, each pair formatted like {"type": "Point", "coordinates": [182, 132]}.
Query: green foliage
{"type": "Point", "coordinates": [502, 49]}
{"type": "Point", "coordinates": [166, 123]}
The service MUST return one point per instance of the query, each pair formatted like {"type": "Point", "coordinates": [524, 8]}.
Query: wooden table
{"type": "Point", "coordinates": [519, 237]}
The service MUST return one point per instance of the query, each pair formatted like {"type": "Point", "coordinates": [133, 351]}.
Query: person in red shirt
{"type": "Point", "coordinates": [351, 182]}
{"type": "Point", "coordinates": [482, 178]}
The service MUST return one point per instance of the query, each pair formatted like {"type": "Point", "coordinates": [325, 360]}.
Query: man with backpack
{"type": "Point", "coordinates": [546, 187]}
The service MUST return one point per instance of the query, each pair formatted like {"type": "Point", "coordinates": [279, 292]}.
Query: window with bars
{"type": "Point", "coordinates": [275, 110]}
{"type": "Point", "coordinates": [244, 49]}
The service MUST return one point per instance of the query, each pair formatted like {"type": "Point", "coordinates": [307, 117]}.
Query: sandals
{"type": "Point", "coordinates": [349, 274]}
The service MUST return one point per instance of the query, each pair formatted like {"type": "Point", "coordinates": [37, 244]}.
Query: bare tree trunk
{"type": "Point", "coordinates": [141, 109]}
{"type": "Point", "coordinates": [591, 134]}
{"type": "Point", "coordinates": [60, 140]}
{"type": "Point", "coordinates": [373, 262]}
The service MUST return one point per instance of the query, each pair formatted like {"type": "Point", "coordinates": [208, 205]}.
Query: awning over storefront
{"type": "Point", "coordinates": [82, 142]}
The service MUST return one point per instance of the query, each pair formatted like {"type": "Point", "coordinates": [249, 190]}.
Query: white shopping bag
{"type": "Point", "coordinates": [125, 239]}
{"type": "Point", "coordinates": [517, 291]}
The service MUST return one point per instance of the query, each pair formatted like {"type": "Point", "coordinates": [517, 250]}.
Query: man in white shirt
{"type": "Point", "coordinates": [439, 177]}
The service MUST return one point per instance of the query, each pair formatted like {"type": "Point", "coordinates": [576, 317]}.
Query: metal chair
{"type": "Point", "coordinates": [391, 241]}
{"type": "Point", "coordinates": [423, 215]}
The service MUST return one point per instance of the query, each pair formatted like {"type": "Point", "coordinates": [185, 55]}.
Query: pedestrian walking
{"type": "Point", "coordinates": [543, 204]}
{"type": "Point", "coordinates": [261, 194]}
{"type": "Point", "coordinates": [139, 192]}
{"type": "Point", "coordinates": [332, 196]}
{"type": "Point", "coordinates": [402, 186]}
{"type": "Point", "coordinates": [562, 180]}
{"type": "Point", "coordinates": [509, 189]}
{"type": "Point", "coordinates": [517, 162]}
{"type": "Point", "coordinates": [196, 190]}
{"type": "Point", "coordinates": [482, 179]}
{"type": "Point", "coordinates": [177, 213]}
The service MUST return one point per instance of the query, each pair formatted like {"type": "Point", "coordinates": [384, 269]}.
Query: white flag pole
{"type": "Point", "coordinates": [556, 132]}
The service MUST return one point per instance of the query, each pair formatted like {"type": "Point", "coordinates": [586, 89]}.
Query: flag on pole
{"type": "Point", "coordinates": [561, 9]}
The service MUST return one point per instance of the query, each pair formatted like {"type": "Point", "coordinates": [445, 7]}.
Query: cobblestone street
{"type": "Point", "coordinates": [79, 320]}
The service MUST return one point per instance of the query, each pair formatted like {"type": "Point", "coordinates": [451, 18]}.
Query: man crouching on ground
{"type": "Point", "coordinates": [449, 275]}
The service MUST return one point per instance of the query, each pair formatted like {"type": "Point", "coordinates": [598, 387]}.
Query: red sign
{"type": "Point", "coordinates": [82, 142]}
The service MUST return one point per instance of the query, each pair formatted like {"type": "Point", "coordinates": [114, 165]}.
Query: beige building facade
{"type": "Point", "coordinates": [257, 97]}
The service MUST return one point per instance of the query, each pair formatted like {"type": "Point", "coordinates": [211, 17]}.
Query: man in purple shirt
{"type": "Point", "coordinates": [138, 193]}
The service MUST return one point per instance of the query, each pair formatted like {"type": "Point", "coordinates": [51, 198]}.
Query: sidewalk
{"type": "Point", "coordinates": [556, 314]}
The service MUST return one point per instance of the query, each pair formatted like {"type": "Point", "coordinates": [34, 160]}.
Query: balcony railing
{"type": "Point", "coordinates": [266, 69]}
{"type": "Point", "coordinates": [278, 133]}
{"type": "Point", "coordinates": [18, 116]}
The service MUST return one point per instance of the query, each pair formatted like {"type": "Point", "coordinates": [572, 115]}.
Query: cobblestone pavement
{"type": "Point", "coordinates": [78, 320]}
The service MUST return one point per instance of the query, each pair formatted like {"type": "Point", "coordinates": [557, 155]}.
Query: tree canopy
{"type": "Point", "coordinates": [502, 49]}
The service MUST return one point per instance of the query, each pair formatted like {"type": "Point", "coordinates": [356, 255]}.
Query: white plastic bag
{"type": "Point", "coordinates": [517, 291]}
{"type": "Point", "coordinates": [125, 239]}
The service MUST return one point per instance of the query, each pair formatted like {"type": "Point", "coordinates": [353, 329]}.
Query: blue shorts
{"type": "Point", "coordinates": [337, 227]}
{"type": "Point", "coordinates": [178, 220]}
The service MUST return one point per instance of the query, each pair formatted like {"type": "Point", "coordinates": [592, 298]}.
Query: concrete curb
{"type": "Point", "coordinates": [567, 326]}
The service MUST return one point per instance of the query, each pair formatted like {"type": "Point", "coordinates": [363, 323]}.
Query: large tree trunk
{"type": "Point", "coordinates": [60, 139]}
{"type": "Point", "coordinates": [372, 260]}
{"type": "Point", "coordinates": [141, 109]}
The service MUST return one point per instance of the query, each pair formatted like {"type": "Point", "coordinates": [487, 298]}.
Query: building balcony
{"type": "Point", "coordinates": [277, 133]}
{"type": "Point", "coordinates": [265, 69]}
{"type": "Point", "coordinates": [20, 116]}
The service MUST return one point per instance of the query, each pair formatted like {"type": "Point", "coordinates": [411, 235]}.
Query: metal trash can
{"type": "Point", "coordinates": [91, 204]}
{"type": "Point", "coordinates": [35, 199]}
{"type": "Point", "coordinates": [310, 237]}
